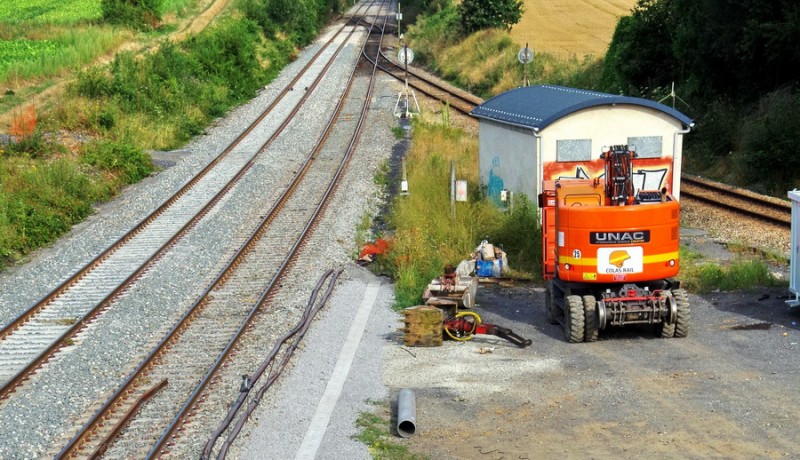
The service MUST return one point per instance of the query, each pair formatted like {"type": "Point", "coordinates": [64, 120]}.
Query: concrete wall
{"type": "Point", "coordinates": [508, 159]}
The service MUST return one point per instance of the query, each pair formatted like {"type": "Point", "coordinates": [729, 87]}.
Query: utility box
{"type": "Point", "coordinates": [794, 257]}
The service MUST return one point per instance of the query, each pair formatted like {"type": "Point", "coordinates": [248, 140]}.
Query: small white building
{"type": "Point", "coordinates": [547, 132]}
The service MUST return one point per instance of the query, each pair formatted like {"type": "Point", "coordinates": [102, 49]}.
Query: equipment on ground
{"type": "Point", "coordinates": [450, 292]}
{"type": "Point", "coordinates": [610, 252]}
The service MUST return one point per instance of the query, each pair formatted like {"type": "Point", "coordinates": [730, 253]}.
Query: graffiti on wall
{"type": "Point", "coordinates": [495, 183]}
{"type": "Point", "coordinates": [648, 173]}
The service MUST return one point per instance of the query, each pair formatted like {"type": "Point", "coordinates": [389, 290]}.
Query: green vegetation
{"type": "Point", "coordinates": [478, 15]}
{"type": "Point", "coordinates": [162, 100]}
{"type": "Point", "coordinates": [733, 63]}
{"type": "Point", "coordinates": [137, 14]}
{"type": "Point", "coordinates": [743, 274]}
{"type": "Point", "coordinates": [43, 194]}
{"type": "Point", "coordinates": [485, 63]}
{"type": "Point", "coordinates": [376, 434]}
{"type": "Point", "coordinates": [63, 49]}
{"type": "Point", "coordinates": [156, 100]}
{"type": "Point", "coordinates": [49, 11]}
{"type": "Point", "coordinates": [426, 234]}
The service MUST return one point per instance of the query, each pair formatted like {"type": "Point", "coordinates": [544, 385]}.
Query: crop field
{"type": "Point", "coordinates": [48, 11]}
{"type": "Point", "coordinates": [15, 51]}
{"type": "Point", "coordinates": [570, 28]}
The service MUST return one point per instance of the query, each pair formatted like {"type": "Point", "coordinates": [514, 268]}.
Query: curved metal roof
{"type": "Point", "coordinates": [537, 107]}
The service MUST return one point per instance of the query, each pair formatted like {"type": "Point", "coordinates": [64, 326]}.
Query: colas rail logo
{"type": "Point", "coordinates": [617, 258]}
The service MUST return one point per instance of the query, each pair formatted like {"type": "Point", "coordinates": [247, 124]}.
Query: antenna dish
{"type": "Point", "coordinates": [525, 55]}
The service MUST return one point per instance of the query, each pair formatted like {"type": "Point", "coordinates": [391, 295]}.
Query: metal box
{"type": "Point", "coordinates": [794, 257]}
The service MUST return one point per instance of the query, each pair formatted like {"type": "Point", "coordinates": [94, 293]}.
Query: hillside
{"type": "Point", "coordinates": [569, 28]}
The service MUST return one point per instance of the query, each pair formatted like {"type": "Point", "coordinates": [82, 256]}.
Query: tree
{"type": "Point", "coordinates": [487, 14]}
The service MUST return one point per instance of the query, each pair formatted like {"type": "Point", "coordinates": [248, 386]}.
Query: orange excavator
{"type": "Point", "coordinates": [610, 253]}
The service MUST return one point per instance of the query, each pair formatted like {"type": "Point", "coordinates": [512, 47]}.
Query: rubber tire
{"type": "Point", "coordinates": [573, 319]}
{"type": "Point", "coordinates": [667, 330]}
{"type": "Point", "coordinates": [550, 308]}
{"type": "Point", "coordinates": [684, 313]}
{"type": "Point", "coordinates": [591, 323]}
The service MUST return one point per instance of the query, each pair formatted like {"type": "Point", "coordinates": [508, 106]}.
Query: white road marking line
{"type": "Point", "coordinates": [319, 423]}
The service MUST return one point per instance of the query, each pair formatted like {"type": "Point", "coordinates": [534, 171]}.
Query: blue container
{"type": "Point", "coordinates": [483, 268]}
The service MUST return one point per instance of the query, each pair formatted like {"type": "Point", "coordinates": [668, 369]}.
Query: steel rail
{"type": "Point", "coordinates": [218, 281]}
{"type": "Point", "coordinates": [297, 334]}
{"type": "Point", "coordinates": [464, 102]}
{"type": "Point", "coordinates": [741, 202]}
{"type": "Point", "coordinates": [22, 375]}
{"type": "Point", "coordinates": [180, 418]}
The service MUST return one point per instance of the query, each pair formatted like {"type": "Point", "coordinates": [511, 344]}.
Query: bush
{"type": "Point", "coordinates": [477, 15]}
{"type": "Point", "coordinates": [137, 14]}
{"type": "Point", "coordinates": [40, 200]}
{"type": "Point", "coordinates": [770, 137]}
{"type": "Point", "coordinates": [129, 163]}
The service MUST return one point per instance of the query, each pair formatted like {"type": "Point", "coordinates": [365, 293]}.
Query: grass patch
{"type": "Point", "coordinates": [376, 434]}
{"type": "Point", "coordinates": [741, 274]}
{"type": "Point", "coordinates": [427, 236]}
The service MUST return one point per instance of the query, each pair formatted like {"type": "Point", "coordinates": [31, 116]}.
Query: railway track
{"type": "Point", "coordinates": [114, 274]}
{"type": "Point", "coordinates": [226, 308]}
{"type": "Point", "coordinates": [426, 84]}
{"type": "Point", "coordinates": [738, 201]}
{"type": "Point", "coordinates": [35, 336]}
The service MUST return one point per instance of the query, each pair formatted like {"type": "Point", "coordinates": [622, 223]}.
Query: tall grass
{"type": "Point", "coordinates": [741, 274]}
{"type": "Point", "coordinates": [486, 64]}
{"type": "Point", "coordinates": [427, 234]}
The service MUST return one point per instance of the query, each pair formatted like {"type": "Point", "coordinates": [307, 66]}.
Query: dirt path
{"type": "Point", "coordinates": [726, 391]}
{"type": "Point", "coordinates": [51, 95]}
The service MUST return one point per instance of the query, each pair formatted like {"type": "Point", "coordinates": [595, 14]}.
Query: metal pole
{"type": "Point", "coordinates": [453, 188]}
{"type": "Point", "coordinates": [399, 19]}
{"type": "Point", "coordinates": [405, 62]}
{"type": "Point", "coordinates": [525, 67]}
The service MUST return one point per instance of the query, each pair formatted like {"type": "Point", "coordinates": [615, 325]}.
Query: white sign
{"type": "Point", "coordinates": [461, 190]}
{"type": "Point", "coordinates": [405, 56]}
{"type": "Point", "coordinates": [624, 260]}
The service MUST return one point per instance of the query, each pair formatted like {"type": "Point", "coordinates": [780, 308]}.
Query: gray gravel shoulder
{"type": "Point", "coordinates": [283, 421]}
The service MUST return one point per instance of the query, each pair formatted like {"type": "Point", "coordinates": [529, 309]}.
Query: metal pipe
{"type": "Point", "coordinates": [406, 413]}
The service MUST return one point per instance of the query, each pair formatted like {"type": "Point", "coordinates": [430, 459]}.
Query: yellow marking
{"type": "Point", "coordinates": [588, 261]}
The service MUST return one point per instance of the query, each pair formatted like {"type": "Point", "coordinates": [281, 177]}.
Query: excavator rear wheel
{"type": "Point", "coordinates": [574, 319]}
{"type": "Point", "coordinates": [591, 322]}
{"type": "Point", "coordinates": [684, 313]}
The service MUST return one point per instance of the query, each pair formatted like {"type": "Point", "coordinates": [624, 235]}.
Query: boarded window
{"type": "Point", "coordinates": [574, 150]}
{"type": "Point", "coordinates": [646, 147]}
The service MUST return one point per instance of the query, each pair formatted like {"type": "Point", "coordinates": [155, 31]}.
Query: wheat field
{"type": "Point", "coordinates": [570, 28]}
